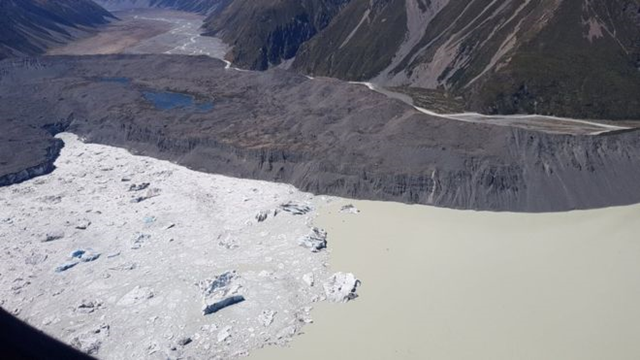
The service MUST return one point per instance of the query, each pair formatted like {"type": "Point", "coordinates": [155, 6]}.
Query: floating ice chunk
{"type": "Point", "coordinates": [228, 243]}
{"type": "Point", "coordinates": [349, 209]}
{"type": "Point", "coordinates": [53, 236]}
{"type": "Point", "coordinates": [341, 287]}
{"type": "Point", "coordinates": [224, 334]}
{"type": "Point", "coordinates": [85, 255]}
{"type": "Point", "coordinates": [136, 296]}
{"type": "Point", "coordinates": [316, 240]}
{"type": "Point", "coordinates": [308, 279]}
{"type": "Point", "coordinates": [35, 258]}
{"type": "Point", "coordinates": [138, 240]}
{"type": "Point", "coordinates": [66, 266]}
{"type": "Point", "coordinates": [220, 292]}
{"type": "Point", "coordinates": [295, 208]}
{"type": "Point", "coordinates": [262, 215]}
{"type": "Point", "coordinates": [135, 187]}
{"type": "Point", "coordinates": [90, 256]}
{"type": "Point", "coordinates": [184, 341]}
{"type": "Point", "coordinates": [91, 341]}
{"type": "Point", "coordinates": [88, 306]}
{"type": "Point", "coordinates": [266, 317]}
{"type": "Point", "coordinates": [287, 332]}
{"type": "Point", "coordinates": [150, 194]}
{"type": "Point", "coordinates": [83, 224]}
{"type": "Point", "coordinates": [149, 219]}
{"type": "Point", "coordinates": [77, 253]}
{"type": "Point", "coordinates": [226, 302]}
{"type": "Point", "coordinates": [221, 282]}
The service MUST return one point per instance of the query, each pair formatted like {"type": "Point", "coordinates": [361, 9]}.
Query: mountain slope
{"type": "Point", "coordinates": [198, 6]}
{"type": "Point", "coordinates": [265, 33]}
{"type": "Point", "coordinates": [367, 31]}
{"type": "Point", "coordinates": [576, 58]}
{"type": "Point", "coordinates": [29, 27]}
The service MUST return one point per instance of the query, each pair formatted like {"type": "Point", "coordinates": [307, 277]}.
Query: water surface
{"type": "Point", "coordinates": [166, 100]}
{"type": "Point", "coordinates": [448, 284]}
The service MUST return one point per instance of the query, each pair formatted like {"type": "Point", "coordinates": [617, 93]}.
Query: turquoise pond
{"type": "Point", "coordinates": [166, 100]}
{"type": "Point", "coordinates": [120, 80]}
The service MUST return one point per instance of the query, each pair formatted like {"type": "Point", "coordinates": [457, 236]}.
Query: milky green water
{"type": "Point", "coordinates": [446, 284]}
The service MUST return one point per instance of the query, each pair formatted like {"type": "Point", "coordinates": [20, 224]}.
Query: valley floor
{"type": "Point", "coordinates": [157, 31]}
{"type": "Point", "coordinates": [148, 31]}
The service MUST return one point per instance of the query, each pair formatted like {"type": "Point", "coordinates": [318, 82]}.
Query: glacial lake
{"type": "Point", "coordinates": [458, 285]}
{"type": "Point", "coordinates": [166, 100]}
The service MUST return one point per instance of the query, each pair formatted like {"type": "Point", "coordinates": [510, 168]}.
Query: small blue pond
{"type": "Point", "coordinates": [119, 80]}
{"type": "Point", "coordinates": [166, 100]}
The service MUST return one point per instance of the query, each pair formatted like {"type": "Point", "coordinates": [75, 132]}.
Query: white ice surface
{"type": "Point", "coordinates": [141, 298]}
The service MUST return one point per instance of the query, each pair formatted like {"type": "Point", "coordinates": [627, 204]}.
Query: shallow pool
{"type": "Point", "coordinates": [166, 100]}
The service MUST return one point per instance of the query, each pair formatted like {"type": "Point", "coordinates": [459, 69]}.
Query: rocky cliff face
{"type": "Point", "coordinates": [29, 27]}
{"type": "Point", "coordinates": [324, 136]}
{"type": "Point", "coordinates": [45, 166]}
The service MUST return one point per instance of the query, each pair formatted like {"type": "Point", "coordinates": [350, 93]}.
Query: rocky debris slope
{"type": "Point", "coordinates": [321, 135]}
{"type": "Point", "coordinates": [29, 27]}
{"type": "Point", "coordinates": [68, 267]}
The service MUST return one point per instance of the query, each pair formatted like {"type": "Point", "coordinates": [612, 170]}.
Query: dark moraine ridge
{"type": "Point", "coordinates": [322, 135]}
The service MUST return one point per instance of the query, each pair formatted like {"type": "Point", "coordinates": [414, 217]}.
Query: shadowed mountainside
{"type": "Point", "coordinates": [265, 33]}
{"type": "Point", "coordinates": [324, 136]}
{"type": "Point", "coordinates": [29, 27]}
